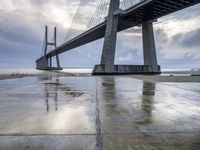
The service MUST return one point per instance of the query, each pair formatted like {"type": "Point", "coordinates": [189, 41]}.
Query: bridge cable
{"type": "Point", "coordinates": [93, 19]}
{"type": "Point", "coordinates": [99, 13]}
{"type": "Point", "coordinates": [74, 17]}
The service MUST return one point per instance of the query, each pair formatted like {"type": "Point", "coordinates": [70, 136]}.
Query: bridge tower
{"type": "Point", "coordinates": [108, 54]}
{"type": "Point", "coordinates": [46, 62]}
{"type": "Point", "coordinates": [107, 65]}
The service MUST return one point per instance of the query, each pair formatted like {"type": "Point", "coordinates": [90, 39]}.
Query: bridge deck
{"type": "Point", "coordinates": [144, 11]}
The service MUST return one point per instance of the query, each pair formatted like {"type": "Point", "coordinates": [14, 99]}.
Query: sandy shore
{"type": "Point", "coordinates": [168, 78]}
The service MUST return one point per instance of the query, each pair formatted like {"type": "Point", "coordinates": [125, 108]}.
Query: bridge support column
{"type": "Point", "coordinates": [108, 54]}
{"type": "Point", "coordinates": [50, 62]}
{"type": "Point", "coordinates": [58, 61]}
{"type": "Point", "coordinates": [107, 65]}
{"type": "Point", "coordinates": [150, 59]}
{"type": "Point", "coordinates": [149, 50]}
{"type": "Point", "coordinates": [45, 63]}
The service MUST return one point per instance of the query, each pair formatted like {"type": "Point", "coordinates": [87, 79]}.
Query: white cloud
{"type": "Point", "coordinates": [173, 27]}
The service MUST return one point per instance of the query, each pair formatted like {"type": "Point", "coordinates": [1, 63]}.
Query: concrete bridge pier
{"type": "Point", "coordinates": [108, 54]}
{"type": "Point", "coordinates": [107, 65]}
{"type": "Point", "coordinates": [42, 64]}
{"type": "Point", "coordinates": [50, 62]}
{"type": "Point", "coordinates": [149, 50]}
{"type": "Point", "coordinates": [46, 64]}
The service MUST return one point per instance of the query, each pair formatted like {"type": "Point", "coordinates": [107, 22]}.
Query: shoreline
{"type": "Point", "coordinates": [7, 77]}
{"type": "Point", "coordinates": [169, 78]}
{"type": "Point", "coordinates": [15, 76]}
{"type": "Point", "coordinates": [148, 78]}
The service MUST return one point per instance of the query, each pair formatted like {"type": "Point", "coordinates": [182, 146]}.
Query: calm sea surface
{"type": "Point", "coordinates": [4, 71]}
{"type": "Point", "coordinates": [32, 71]}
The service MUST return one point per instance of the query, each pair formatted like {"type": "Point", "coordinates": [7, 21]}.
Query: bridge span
{"type": "Point", "coordinates": [143, 13]}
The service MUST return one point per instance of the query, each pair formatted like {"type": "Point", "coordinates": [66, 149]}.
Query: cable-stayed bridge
{"type": "Point", "coordinates": [119, 16]}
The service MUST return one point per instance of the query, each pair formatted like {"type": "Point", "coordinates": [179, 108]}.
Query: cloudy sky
{"type": "Point", "coordinates": [22, 25]}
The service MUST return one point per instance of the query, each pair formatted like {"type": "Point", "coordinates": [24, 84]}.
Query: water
{"type": "Point", "coordinates": [32, 71]}
{"type": "Point", "coordinates": [181, 71]}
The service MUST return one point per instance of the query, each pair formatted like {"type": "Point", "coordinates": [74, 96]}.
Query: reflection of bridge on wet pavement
{"type": "Point", "coordinates": [97, 113]}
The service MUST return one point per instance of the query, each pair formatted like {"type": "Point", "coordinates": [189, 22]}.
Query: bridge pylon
{"type": "Point", "coordinates": [45, 63]}
{"type": "Point", "coordinates": [107, 65]}
{"type": "Point", "coordinates": [149, 49]}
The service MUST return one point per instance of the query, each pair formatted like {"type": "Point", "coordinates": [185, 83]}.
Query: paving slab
{"type": "Point", "coordinates": [73, 142]}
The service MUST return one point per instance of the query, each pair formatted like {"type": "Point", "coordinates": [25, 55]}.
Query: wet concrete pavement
{"type": "Point", "coordinates": [89, 113]}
